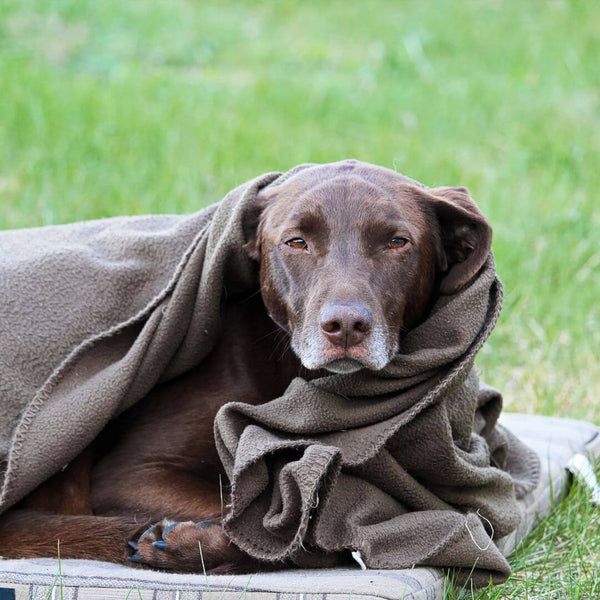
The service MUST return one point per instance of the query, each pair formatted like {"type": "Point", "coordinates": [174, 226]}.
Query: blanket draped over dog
{"type": "Point", "coordinates": [406, 465]}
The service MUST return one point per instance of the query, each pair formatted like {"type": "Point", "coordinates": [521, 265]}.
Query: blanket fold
{"type": "Point", "coordinates": [406, 465]}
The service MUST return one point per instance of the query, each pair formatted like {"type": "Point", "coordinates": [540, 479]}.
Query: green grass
{"type": "Point", "coordinates": [111, 108]}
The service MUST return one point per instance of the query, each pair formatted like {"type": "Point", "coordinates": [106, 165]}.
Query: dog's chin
{"type": "Point", "coordinates": [344, 366]}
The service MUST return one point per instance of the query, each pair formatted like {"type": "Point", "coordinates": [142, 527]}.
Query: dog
{"type": "Point", "coordinates": [350, 257]}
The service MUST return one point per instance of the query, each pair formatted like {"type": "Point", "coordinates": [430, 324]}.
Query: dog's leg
{"type": "Point", "coordinates": [157, 493]}
{"type": "Point", "coordinates": [66, 492]}
{"type": "Point", "coordinates": [33, 534]}
{"type": "Point", "coordinates": [186, 512]}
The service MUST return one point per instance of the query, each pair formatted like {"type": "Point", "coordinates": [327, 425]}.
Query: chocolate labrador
{"type": "Point", "coordinates": [350, 257]}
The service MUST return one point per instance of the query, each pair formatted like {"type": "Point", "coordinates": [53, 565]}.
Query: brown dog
{"type": "Point", "coordinates": [351, 256]}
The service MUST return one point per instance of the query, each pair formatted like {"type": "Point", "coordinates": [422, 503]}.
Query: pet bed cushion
{"type": "Point", "coordinates": [555, 440]}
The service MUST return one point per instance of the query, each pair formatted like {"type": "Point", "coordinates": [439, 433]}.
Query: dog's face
{"type": "Point", "coordinates": [352, 255]}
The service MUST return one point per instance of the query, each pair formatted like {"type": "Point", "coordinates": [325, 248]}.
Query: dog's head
{"type": "Point", "coordinates": [353, 255]}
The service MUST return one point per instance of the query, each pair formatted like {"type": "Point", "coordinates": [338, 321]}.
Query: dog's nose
{"type": "Point", "coordinates": [345, 324]}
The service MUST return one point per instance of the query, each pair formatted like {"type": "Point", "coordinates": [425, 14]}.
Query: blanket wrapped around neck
{"type": "Point", "coordinates": [406, 465]}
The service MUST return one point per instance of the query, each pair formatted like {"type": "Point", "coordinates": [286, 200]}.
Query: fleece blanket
{"type": "Point", "coordinates": [405, 466]}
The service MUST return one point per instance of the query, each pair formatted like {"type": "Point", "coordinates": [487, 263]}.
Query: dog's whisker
{"type": "Point", "coordinates": [285, 349]}
{"type": "Point", "coordinates": [251, 296]}
{"type": "Point", "coordinates": [283, 339]}
{"type": "Point", "coordinates": [264, 337]}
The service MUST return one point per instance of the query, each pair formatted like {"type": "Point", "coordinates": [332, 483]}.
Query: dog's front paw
{"type": "Point", "coordinates": [187, 547]}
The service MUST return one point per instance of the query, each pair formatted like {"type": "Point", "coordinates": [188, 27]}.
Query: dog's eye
{"type": "Point", "coordinates": [298, 244]}
{"type": "Point", "coordinates": [397, 242]}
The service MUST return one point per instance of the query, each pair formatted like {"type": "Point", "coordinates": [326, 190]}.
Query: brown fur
{"type": "Point", "coordinates": [158, 461]}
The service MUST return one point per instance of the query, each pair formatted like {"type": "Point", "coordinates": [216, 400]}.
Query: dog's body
{"type": "Point", "coordinates": [351, 256]}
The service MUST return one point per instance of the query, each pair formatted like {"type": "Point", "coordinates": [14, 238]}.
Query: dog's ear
{"type": "Point", "coordinates": [252, 225]}
{"type": "Point", "coordinates": [465, 236]}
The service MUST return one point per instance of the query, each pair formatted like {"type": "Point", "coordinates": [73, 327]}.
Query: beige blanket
{"type": "Point", "coordinates": [406, 465]}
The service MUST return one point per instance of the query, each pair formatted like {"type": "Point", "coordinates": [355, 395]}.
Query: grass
{"type": "Point", "coordinates": [113, 108]}
{"type": "Point", "coordinates": [559, 560]}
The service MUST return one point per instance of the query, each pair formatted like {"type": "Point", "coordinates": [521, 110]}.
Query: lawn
{"type": "Point", "coordinates": [110, 108]}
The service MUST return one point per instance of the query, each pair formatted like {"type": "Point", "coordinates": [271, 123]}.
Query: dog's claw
{"type": "Point", "coordinates": [134, 557]}
{"type": "Point", "coordinates": [146, 533]}
{"type": "Point", "coordinates": [160, 544]}
{"type": "Point", "coordinates": [133, 545]}
{"type": "Point", "coordinates": [206, 523]}
{"type": "Point", "coordinates": [168, 528]}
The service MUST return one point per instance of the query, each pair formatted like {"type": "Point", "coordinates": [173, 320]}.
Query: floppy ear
{"type": "Point", "coordinates": [465, 236]}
